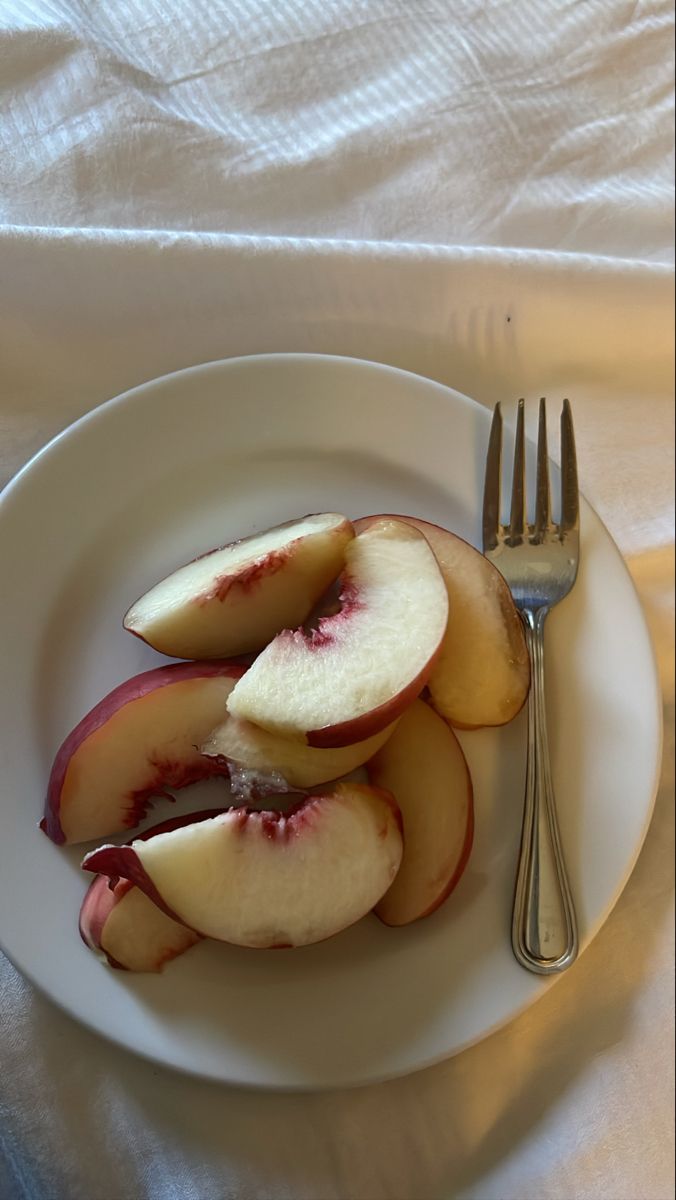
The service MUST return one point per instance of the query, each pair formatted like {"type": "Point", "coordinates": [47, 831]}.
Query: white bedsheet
{"type": "Point", "coordinates": [183, 181]}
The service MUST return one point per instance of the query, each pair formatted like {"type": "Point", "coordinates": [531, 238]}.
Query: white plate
{"type": "Point", "coordinates": [192, 460]}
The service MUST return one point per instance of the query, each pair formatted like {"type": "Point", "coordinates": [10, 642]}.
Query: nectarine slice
{"type": "Point", "coordinates": [424, 768]}
{"type": "Point", "coordinates": [232, 600]}
{"type": "Point", "coordinates": [141, 739]}
{"type": "Point", "coordinates": [124, 927]}
{"type": "Point", "coordinates": [269, 879]}
{"type": "Point", "coordinates": [482, 675]}
{"type": "Point", "coordinates": [120, 924]}
{"type": "Point", "coordinates": [359, 669]}
{"type": "Point", "coordinates": [248, 748]}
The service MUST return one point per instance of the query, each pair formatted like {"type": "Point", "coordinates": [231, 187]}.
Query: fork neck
{"type": "Point", "coordinates": [534, 618]}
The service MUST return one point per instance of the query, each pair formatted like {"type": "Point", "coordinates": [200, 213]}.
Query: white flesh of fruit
{"type": "Point", "coordinates": [262, 879]}
{"type": "Point", "coordinates": [137, 935]}
{"type": "Point", "coordinates": [365, 657]}
{"type": "Point", "coordinates": [299, 766]}
{"type": "Point", "coordinates": [233, 600]}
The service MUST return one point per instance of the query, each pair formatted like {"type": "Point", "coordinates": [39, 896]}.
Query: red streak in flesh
{"type": "Point", "coordinates": [169, 775]}
{"type": "Point", "coordinates": [283, 826]}
{"type": "Point", "coordinates": [129, 691]}
{"type": "Point", "coordinates": [328, 627]}
{"type": "Point", "coordinates": [245, 579]}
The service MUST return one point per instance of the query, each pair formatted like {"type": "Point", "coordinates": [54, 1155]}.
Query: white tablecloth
{"type": "Point", "coordinates": [182, 181]}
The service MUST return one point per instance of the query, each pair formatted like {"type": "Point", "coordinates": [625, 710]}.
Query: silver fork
{"type": "Point", "coordinates": [539, 563]}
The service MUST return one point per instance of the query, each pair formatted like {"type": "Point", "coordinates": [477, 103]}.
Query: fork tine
{"type": "Point", "coordinates": [570, 500]}
{"type": "Point", "coordinates": [516, 516]}
{"type": "Point", "coordinates": [491, 513]}
{"type": "Point", "coordinates": [542, 506]}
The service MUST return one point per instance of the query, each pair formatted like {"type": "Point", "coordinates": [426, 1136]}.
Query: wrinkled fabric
{"type": "Point", "coordinates": [542, 126]}
{"type": "Point", "coordinates": [479, 192]}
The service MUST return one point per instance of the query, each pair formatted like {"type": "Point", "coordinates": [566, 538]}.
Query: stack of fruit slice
{"type": "Point", "coordinates": [333, 688]}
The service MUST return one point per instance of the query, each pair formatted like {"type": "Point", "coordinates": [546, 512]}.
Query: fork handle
{"type": "Point", "coordinates": [544, 926]}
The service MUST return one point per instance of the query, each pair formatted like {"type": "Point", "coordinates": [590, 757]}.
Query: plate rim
{"type": "Point", "coordinates": [128, 394]}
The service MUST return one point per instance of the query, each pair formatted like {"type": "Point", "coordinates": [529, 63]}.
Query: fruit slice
{"type": "Point", "coordinates": [482, 675]}
{"type": "Point", "coordinates": [123, 926]}
{"type": "Point", "coordinates": [119, 922]}
{"type": "Point", "coordinates": [250, 748]}
{"type": "Point", "coordinates": [235, 599]}
{"type": "Point", "coordinates": [359, 669]}
{"type": "Point", "coordinates": [269, 879]}
{"type": "Point", "coordinates": [141, 739]}
{"type": "Point", "coordinates": [424, 767]}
